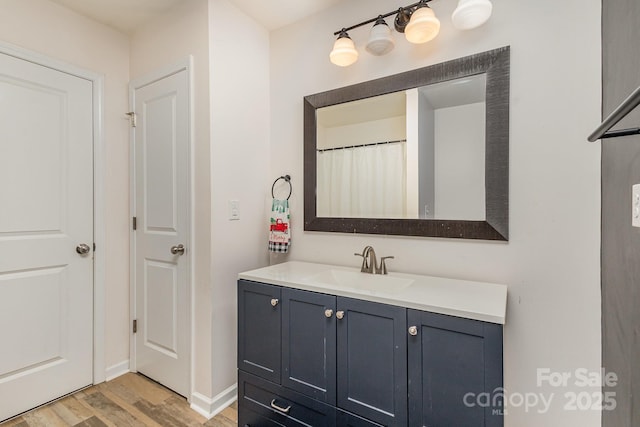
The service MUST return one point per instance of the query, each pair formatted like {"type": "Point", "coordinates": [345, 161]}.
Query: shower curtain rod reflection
{"type": "Point", "coordinates": [397, 141]}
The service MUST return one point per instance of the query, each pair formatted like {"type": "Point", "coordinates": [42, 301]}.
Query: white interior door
{"type": "Point", "coordinates": [46, 211]}
{"type": "Point", "coordinates": [161, 139]}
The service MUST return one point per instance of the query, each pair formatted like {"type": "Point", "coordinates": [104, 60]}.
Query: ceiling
{"type": "Point", "coordinates": [127, 15]}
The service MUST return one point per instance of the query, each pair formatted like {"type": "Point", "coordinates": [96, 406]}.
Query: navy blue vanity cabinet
{"type": "Point", "coordinates": [315, 359]}
{"type": "Point", "coordinates": [259, 337]}
{"type": "Point", "coordinates": [309, 344]}
{"type": "Point", "coordinates": [372, 360]}
{"type": "Point", "coordinates": [451, 362]}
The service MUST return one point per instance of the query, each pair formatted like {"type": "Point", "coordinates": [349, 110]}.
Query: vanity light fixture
{"type": "Point", "coordinates": [417, 21]}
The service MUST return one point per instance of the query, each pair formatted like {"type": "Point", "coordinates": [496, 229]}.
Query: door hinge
{"type": "Point", "coordinates": [132, 118]}
{"type": "Point", "coordinates": [135, 326]}
{"type": "Point", "coordinates": [94, 247]}
{"type": "Point", "coordinates": [134, 223]}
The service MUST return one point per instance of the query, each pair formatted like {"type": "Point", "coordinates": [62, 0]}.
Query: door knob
{"type": "Point", "coordinates": [83, 249]}
{"type": "Point", "coordinates": [178, 249]}
{"type": "Point", "coordinates": [328, 312]}
{"type": "Point", "coordinates": [413, 331]}
{"type": "Point", "coordinates": [339, 315]}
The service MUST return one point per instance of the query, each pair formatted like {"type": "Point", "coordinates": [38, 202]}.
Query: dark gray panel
{"type": "Point", "coordinates": [309, 344]}
{"type": "Point", "coordinates": [248, 418]}
{"type": "Point", "coordinates": [621, 242]}
{"type": "Point", "coordinates": [372, 361]}
{"type": "Point", "coordinates": [346, 419]}
{"type": "Point", "coordinates": [259, 336]}
{"type": "Point", "coordinates": [449, 358]}
{"type": "Point", "coordinates": [280, 405]}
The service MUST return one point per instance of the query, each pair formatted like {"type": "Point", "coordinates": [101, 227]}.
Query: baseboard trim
{"type": "Point", "coordinates": [210, 407]}
{"type": "Point", "coordinates": [114, 371]}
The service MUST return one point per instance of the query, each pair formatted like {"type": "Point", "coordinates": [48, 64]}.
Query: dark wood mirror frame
{"type": "Point", "coordinates": [495, 64]}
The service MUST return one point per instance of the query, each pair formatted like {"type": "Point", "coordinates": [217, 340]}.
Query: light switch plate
{"type": "Point", "coordinates": [234, 210]}
{"type": "Point", "coordinates": [635, 205]}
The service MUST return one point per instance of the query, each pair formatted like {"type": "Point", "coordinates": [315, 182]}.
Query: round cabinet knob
{"type": "Point", "coordinates": [274, 302]}
{"type": "Point", "coordinates": [413, 331]}
{"type": "Point", "coordinates": [328, 313]}
{"type": "Point", "coordinates": [340, 315]}
{"type": "Point", "coordinates": [83, 249]}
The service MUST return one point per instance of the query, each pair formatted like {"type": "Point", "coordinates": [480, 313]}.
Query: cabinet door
{"type": "Point", "coordinates": [309, 344]}
{"type": "Point", "coordinates": [259, 337]}
{"type": "Point", "coordinates": [372, 361]}
{"type": "Point", "coordinates": [451, 361]}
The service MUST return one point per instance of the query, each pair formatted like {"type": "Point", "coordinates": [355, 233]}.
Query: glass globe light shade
{"type": "Point", "coordinates": [471, 14]}
{"type": "Point", "coordinates": [380, 40]}
{"type": "Point", "coordinates": [423, 27]}
{"type": "Point", "coordinates": [344, 51]}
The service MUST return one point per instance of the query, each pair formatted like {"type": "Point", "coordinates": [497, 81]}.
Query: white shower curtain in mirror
{"type": "Point", "coordinates": [362, 182]}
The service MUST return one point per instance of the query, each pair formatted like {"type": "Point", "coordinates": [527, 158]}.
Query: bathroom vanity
{"type": "Point", "coordinates": [322, 345]}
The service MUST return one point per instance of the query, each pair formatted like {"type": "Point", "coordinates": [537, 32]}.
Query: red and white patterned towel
{"type": "Point", "coordinates": [279, 230]}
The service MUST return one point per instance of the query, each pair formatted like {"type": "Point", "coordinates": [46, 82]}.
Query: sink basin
{"type": "Point", "coordinates": [361, 281]}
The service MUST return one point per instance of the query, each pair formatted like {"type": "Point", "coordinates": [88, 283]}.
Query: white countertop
{"type": "Point", "coordinates": [462, 298]}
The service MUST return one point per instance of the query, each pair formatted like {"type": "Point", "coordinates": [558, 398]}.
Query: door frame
{"type": "Point", "coordinates": [185, 64]}
{"type": "Point", "coordinates": [99, 225]}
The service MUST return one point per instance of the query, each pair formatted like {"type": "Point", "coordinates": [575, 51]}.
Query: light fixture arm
{"type": "Point", "coordinates": [385, 15]}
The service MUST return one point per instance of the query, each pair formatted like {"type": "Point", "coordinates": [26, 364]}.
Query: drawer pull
{"type": "Point", "coordinates": [274, 302]}
{"type": "Point", "coordinates": [280, 408]}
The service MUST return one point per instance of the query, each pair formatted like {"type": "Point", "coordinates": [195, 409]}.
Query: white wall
{"type": "Point", "coordinates": [380, 130]}
{"type": "Point", "coordinates": [551, 262]}
{"type": "Point", "coordinates": [459, 162]}
{"type": "Point", "coordinates": [239, 52]}
{"type": "Point", "coordinates": [47, 28]}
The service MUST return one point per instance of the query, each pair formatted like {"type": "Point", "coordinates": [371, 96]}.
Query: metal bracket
{"type": "Point", "coordinates": [132, 118]}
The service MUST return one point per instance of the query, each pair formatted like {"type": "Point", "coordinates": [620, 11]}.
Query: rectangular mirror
{"type": "Point", "coordinates": [417, 153]}
{"type": "Point", "coordinates": [422, 153]}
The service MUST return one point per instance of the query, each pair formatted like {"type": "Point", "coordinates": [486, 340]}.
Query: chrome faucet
{"type": "Point", "coordinates": [369, 261]}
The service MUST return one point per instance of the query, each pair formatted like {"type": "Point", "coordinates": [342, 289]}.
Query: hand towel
{"type": "Point", "coordinates": [279, 231]}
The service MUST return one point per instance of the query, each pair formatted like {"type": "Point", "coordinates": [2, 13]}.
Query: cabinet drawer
{"type": "Point", "coordinates": [248, 418]}
{"type": "Point", "coordinates": [346, 419]}
{"type": "Point", "coordinates": [281, 405]}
